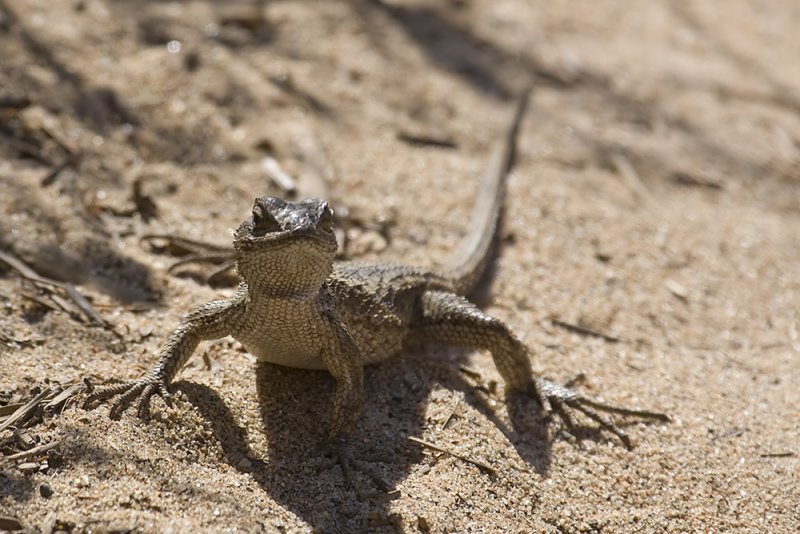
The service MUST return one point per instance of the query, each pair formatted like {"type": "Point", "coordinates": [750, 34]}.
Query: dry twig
{"type": "Point", "coordinates": [31, 275]}
{"type": "Point", "coordinates": [578, 329]}
{"type": "Point", "coordinates": [482, 465]}
{"type": "Point", "coordinates": [39, 449]}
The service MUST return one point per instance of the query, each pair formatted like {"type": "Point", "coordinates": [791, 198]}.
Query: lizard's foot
{"type": "Point", "coordinates": [563, 401]}
{"type": "Point", "coordinates": [144, 387]}
{"type": "Point", "coordinates": [347, 461]}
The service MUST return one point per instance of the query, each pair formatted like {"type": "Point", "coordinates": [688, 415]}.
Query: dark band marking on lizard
{"type": "Point", "coordinates": [296, 306]}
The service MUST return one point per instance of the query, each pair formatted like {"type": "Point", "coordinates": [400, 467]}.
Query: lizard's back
{"type": "Point", "coordinates": [379, 302]}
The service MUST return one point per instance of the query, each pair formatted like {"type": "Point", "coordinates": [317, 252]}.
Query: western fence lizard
{"type": "Point", "coordinates": [297, 306]}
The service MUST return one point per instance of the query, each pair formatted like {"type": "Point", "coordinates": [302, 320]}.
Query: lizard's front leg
{"type": "Point", "coordinates": [343, 359]}
{"type": "Point", "coordinates": [452, 319]}
{"type": "Point", "coordinates": [210, 321]}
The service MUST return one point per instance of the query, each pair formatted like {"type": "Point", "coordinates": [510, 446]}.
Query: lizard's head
{"type": "Point", "coordinates": [286, 245]}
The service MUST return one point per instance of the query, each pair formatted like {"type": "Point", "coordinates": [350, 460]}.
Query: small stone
{"type": "Point", "coordinates": [9, 523]}
{"type": "Point", "coordinates": [244, 464]}
{"type": "Point", "coordinates": [676, 289]}
{"type": "Point", "coordinates": [419, 234]}
{"type": "Point", "coordinates": [422, 524]}
{"type": "Point", "coordinates": [28, 467]}
{"type": "Point", "coordinates": [54, 458]}
{"type": "Point", "coordinates": [45, 490]}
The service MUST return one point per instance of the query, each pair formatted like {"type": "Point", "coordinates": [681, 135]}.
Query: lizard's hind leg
{"type": "Point", "coordinates": [451, 319]}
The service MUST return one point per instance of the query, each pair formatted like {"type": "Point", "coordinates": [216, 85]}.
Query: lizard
{"type": "Point", "coordinates": [297, 306]}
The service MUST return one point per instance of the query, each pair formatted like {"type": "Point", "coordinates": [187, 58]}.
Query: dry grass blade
{"type": "Point", "coordinates": [478, 378]}
{"type": "Point", "coordinates": [17, 264]}
{"type": "Point", "coordinates": [64, 396]}
{"type": "Point", "coordinates": [787, 454]}
{"type": "Point", "coordinates": [280, 177]}
{"type": "Point", "coordinates": [8, 409]}
{"type": "Point", "coordinates": [25, 148]}
{"type": "Point", "coordinates": [84, 305]}
{"type": "Point", "coordinates": [453, 413]}
{"type": "Point", "coordinates": [218, 276]}
{"type": "Point", "coordinates": [24, 412]}
{"type": "Point", "coordinates": [40, 301]}
{"type": "Point", "coordinates": [29, 274]}
{"type": "Point", "coordinates": [187, 245]}
{"type": "Point", "coordinates": [482, 465]}
{"type": "Point", "coordinates": [472, 373]}
{"type": "Point", "coordinates": [213, 257]}
{"type": "Point", "coordinates": [426, 140]}
{"type": "Point", "coordinates": [55, 170]}
{"type": "Point", "coordinates": [632, 179]}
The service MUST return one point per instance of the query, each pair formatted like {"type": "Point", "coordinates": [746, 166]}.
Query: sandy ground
{"type": "Point", "coordinates": [656, 199]}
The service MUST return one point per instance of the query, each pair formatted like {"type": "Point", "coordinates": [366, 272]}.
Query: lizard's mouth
{"type": "Point", "coordinates": [258, 234]}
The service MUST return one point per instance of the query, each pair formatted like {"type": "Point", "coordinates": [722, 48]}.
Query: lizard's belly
{"type": "Point", "coordinates": [285, 333]}
{"type": "Point", "coordinates": [289, 355]}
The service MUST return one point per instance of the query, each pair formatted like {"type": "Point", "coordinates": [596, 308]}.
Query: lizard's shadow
{"type": "Point", "coordinates": [290, 456]}
{"type": "Point", "coordinates": [524, 427]}
{"type": "Point", "coordinates": [294, 464]}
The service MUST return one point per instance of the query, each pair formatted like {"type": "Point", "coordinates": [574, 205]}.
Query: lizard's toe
{"type": "Point", "coordinates": [564, 400]}
{"type": "Point", "coordinates": [149, 390]}
{"type": "Point", "coordinates": [564, 415]}
{"type": "Point", "coordinates": [605, 423]}
{"type": "Point", "coordinates": [128, 392]}
{"type": "Point", "coordinates": [101, 394]}
{"type": "Point", "coordinates": [125, 400]}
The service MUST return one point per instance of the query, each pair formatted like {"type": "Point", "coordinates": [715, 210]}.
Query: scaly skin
{"type": "Point", "coordinates": [297, 307]}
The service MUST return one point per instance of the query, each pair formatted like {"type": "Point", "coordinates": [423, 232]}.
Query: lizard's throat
{"type": "Point", "coordinates": [284, 273]}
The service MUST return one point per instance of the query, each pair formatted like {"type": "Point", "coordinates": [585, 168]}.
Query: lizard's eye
{"type": "Point", "coordinates": [326, 220]}
{"type": "Point", "coordinates": [263, 222]}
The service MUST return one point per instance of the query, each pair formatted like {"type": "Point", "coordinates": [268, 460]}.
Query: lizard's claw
{"type": "Point", "coordinates": [564, 400]}
{"type": "Point", "coordinates": [144, 388]}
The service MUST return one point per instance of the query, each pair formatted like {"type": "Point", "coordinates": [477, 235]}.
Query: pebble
{"type": "Point", "coordinates": [28, 467]}
{"type": "Point", "coordinates": [45, 490]}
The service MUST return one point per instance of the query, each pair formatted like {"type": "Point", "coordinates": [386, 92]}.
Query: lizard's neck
{"type": "Point", "coordinates": [289, 275]}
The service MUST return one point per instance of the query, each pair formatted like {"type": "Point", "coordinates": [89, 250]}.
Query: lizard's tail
{"type": "Point", "coordinates": [469, 261]}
